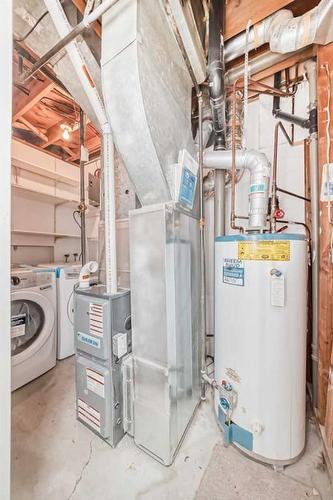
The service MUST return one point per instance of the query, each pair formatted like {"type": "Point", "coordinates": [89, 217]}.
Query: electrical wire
{"type": "Point", "coordinates": [75, 219]}
{"type": "Point", "coordinates": [328, 157]}
{"type": "Point", "coordinates": [246, 82]}
{"type": "Point", "coordinates": [33, 28]}
{"type": "Point", "coordinates": [22, 39]}
{"type": "Point", "coordinates": [68, 303]}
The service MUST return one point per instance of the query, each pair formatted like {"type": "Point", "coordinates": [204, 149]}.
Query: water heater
{"type": "Point", "coordinates": [260, 343]}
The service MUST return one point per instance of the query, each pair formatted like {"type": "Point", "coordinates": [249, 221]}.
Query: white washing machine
{"type": "Point", "coordinates": [33, 324]}
{"type": "Point", "coordinates": [67, 275]}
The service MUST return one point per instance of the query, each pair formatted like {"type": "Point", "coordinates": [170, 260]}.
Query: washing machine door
{"type": "Point", "coordinates": [32, 323]}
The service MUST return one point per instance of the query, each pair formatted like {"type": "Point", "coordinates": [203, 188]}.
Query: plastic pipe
{"type": "Point", "coordinates": [63, 27]}
{"type": "Point", "coordinates": [82, 206]}
{"type": "Point", "coordinates": [259, 167]}
{"type": "Point", "coordinates": [86, 271]}
{"type": "Point", "coordinates": [202, 253]}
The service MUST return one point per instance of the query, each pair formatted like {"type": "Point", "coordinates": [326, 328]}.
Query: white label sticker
{"type": "Point", "coordinates": [233, 272]}
{"type": "Point", "coordinates": [89, 415]}
{"type": "Point", "coordinates": [96, 319]}
{"type": "Point", "coordinates": [17, 328]}
{"type": "Point", "coordinates": [95, 382]}
{"type": "Point", "coordinates": [277, 291]}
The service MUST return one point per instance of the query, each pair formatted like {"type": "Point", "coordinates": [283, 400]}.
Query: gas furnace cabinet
{"type": "Point", "coordinates": [260, 342]}
{"type": "Point", "coordinates": [165, 302]}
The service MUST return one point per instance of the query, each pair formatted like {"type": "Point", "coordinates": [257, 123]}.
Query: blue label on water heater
{"type": "Point", "coordinates": [233, 272]}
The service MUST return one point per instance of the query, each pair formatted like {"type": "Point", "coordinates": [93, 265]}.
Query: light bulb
{"type": "Point", "coordinates": [66, 134]}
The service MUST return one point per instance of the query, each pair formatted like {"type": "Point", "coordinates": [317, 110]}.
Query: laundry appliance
{"type": "Point", "coordinates": [67, 275]}
{"type": "Point", "coordinates": [33, 324]}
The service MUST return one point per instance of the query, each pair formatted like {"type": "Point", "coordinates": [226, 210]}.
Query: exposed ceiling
{"type": "Point", "coordinates": [42, 107]}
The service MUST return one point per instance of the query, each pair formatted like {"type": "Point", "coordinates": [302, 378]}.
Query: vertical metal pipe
{"type": "Point", "coordinates": [202, 255]}
{"type": "Point", "coordinates": [233, 164]}
{"type": "Point", "coordinates": [219, 203]}
{"type": "Point", "coordinates": [216, 55]}
{"type": "Point", "coordinates": [110, 210]}
{"type": "Point", "coordinates": [311, 73]}
{"type": "Point", "coordinates": [82, 206]}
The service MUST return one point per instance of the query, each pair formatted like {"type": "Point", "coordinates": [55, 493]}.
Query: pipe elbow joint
{"type": "Point", "coordinates": [255, 161]}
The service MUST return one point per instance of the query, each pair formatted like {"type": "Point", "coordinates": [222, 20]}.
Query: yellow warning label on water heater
{"type": "Point", "coordinates": [264, 250]}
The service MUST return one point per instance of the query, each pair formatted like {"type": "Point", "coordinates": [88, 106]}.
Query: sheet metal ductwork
{"type": "Point", "coordinates": [45, 36]}
{"type": "Point", "coordinates": [147, 93]}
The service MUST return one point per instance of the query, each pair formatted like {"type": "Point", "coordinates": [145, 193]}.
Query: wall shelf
{"type": "Point", "coordinates": [45, 233]}
{"type": "Point", "coordinates": [49, 174]}
{"type": "Point", "coordinates": [40, 196]}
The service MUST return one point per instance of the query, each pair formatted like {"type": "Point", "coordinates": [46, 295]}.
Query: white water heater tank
{"type": "Point", "coordinates": [260, 343]}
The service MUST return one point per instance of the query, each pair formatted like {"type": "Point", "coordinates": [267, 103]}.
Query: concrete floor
{"type": "Point", "coordinates": [56, 458]}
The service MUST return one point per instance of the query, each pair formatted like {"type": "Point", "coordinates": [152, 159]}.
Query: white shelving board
{"type": "Point", "coordinates": [49, 174]}
{"type": "Point", "coordinates": [41, 196]}
{"type": "Point", "coordinates": [45, 233]}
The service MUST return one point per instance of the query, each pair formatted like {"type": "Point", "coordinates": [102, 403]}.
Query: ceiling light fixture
{"type": "Point", "coordinates": [66, 131]}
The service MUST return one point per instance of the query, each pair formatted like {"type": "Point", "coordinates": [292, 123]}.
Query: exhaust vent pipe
{"type": "Point", "coordinates": [216, 72]}
{"type": "Point", "coordinates": [259, 167]}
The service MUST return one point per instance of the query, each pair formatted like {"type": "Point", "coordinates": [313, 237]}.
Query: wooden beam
{"type": "Point", "coordinates": [324, 56]}
{"type": "Point", "coordinates": [34, 129]}
{"type": "Point", "coordinates": [67, 149]}
{"type": "Point", "coordinates": [51, 153]}
{"type": "Point", "coordinates": [81, 5]}
{"type": "Point", "coordinates": [55, 132]}
{"type": "Point", "coordinates": [22, 102]}
{"type": "Point", "coordinates": [91, 145]}
{"type": "Point", "coordinates": [239, 12]}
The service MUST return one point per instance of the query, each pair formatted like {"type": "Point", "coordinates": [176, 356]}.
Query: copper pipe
{"type": "Point", "coordinates": [278, 126]}
{"type": "Point", "coordinates": [297, 223]}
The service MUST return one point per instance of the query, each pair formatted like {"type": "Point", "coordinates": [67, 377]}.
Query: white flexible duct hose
{"type": "Point", "coordinates": [63, 27]}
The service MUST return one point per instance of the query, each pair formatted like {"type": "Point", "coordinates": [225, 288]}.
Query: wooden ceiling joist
{"type": "Point", "coordinates": [34, 129]}
{"type": "Point", "coordinates": [240, 12]}
{"type": "Point", "coordinates": [55, 132]}
{"type": "Point", "coordinates": [81, 5]}
{"type": "Point", "coordinates": [92, 144]}
{"type": "Point", "coordinates": [22, 102]}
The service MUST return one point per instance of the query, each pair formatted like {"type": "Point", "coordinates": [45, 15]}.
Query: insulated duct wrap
{"type": "Point", "coordinates": [259, 34]}
{"type": "Point", "coordinates": [147, 92]}
{"type": "Point", "coordinates": [286, 34]}
{"type": "Point", "coordinates": [314, 26]}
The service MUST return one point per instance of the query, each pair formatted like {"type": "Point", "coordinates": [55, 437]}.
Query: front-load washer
{"type": "Point", "coordinates": [33, 324]}
{"type": "Point", "coordinates": [67, 276]}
